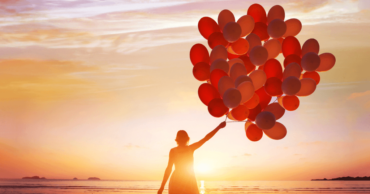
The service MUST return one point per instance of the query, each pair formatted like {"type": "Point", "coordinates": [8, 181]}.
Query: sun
{"type": "Point", "coordinates": [202, 168]}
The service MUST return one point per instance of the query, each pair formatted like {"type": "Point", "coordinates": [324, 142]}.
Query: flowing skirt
{"type": "Point", "coordinates": [183, 183]}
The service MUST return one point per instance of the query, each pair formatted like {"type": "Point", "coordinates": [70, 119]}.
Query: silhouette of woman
{"type": "Point", "coordinates": [183, 178]}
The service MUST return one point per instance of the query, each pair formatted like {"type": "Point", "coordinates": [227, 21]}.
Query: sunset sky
{"type": "Point", "coordinates": [100, 88]}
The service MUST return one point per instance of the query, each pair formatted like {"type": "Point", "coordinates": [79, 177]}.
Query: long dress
{"type": "Point", "coordinates": [183, 179]}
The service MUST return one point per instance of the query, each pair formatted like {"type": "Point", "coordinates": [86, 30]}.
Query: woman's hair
{"type": "Point", "coordinates": [182, 138]}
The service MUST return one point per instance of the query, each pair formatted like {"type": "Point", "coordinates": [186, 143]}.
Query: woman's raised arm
{"type": "Point", "coordinates": [198, 144]}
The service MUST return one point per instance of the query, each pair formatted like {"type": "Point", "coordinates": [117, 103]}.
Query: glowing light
{"type": "Point", "coordinates": [202, 168]}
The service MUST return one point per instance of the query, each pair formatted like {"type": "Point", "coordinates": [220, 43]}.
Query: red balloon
{"type": "Point", "coordinates": [264, 97]}
{"type": "Point", "coordinates": [260, 29]}
{"type": "Point", "coordinates": [258, 13]}
{"type": "Point", "coordinates": [310, 61]}
{"type": "Point", "coordinates": [277, 132]}
{"type": "Point", "coordinates": [290, 46]}
{"type": "Point", "coordinates": [265, 120]}
{"type": "Point", "coordinates": [293, 27]}
{"type": "Point", "coordinates": [224, 17]}
{"type": "Point", "coordinates": [199, 53]}
{"type": "Point", "coordinates": [207, 93]}
{"type": "Point", "coordinates": [217, 108]}
{"type": "Point", "coordinates": [273, 86]}
{"type": "Point", "coordinates": [290, 103]}
{"type": "Point", "coordinates": [253, 102]}
{"type": "Point", "coordinates": [254, 112]}
{"type": "Point", "coordinates": [276, 28]}
{"type": "Point", "coordinates": [291, 85]}
{"type": "Point", "coordinates": [216, 76]}
{"type": "Point", "coordinates": [311, 45]}
{"type": "Point", "coordinates": [241, 79]}
{"type": "Point", "coordinates": [313, 75]}
{"type": "Point", "coordinates": [240, 113]}
{"type": "Point", "coordinates": [276, 12]}
{"type": "Point", "coordinates": [254, 133]}
{"type": "Point", "coordinates": [253, 40]}
{"type": "Point", "coordinates": [201, 71]}
{"type": "Point", "coordinates": [217, 38]}
{"type": "Point", "coordinates": [292, 59]}
{"type": "Point", "coordinates": [207, 26]}
{"type": "Point", "coordinates": [276, 109]}
{"type": "Point", "coordinates": [273, 68]}
{"type": "Point", "coordinates": [232, 56]}
{"type": "Point", "coordinates": [248, 64]}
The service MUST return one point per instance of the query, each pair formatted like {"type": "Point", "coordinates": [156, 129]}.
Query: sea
{"type": "Point", "coordinates": [19, 186]}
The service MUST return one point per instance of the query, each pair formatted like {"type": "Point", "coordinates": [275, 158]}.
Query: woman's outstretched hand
{"type": "Point", "coordinates": [222, 125]}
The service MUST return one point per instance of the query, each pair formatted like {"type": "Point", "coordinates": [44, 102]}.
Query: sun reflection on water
{"type": "Point", "coordinates": [202, 189]}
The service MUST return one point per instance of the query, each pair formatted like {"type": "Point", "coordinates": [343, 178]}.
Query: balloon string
{"type": "Point", "coordinates": [234, 121]}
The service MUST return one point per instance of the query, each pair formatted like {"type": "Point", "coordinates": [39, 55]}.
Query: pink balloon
{"type": "Point", "coordinates": [273, 47]}
{"type": "Point", "coordinates": [291, 86]}
{"type": "Point", "coordinates": [277, 132]}
{"type": "Point", "coordinates": [293, 69]}
{"type": "Point", "coordinates": [219, 52]}
{"type": "Point", "coordinates": [265, 120]}
{"type": "Point", "coordinates": [253, 40]}
{"type": "Point", "coordinates": [241, 79]}
{"type": "Point", "coordinates": [311, 45]}
{"type": "Point", "coordinates": [224, 17]}
{"type": "Point", "coordinates": [276, 28]}
{"type": "Point", "coordinates": [293, 27]}
{"type": "Point", "coordinates": [259, 78]}
{"type": "Point", "coordinates": [310, 61]}
{"type": "Point", "coordinates": [237, 70]}
{"type": "Point", "coordinates": [232, 98]}
{"type": "Point", "coordinates": [246, 22]}
{"type": "Point", "coordinates": [308, 86]}
{"type": "Point", "coordinates": [224, 84]}
{"type": "Point", "coordinates": [258, 55]}
{"type": "Point", "coordinates": [327, 61]}
{"type": "Point", "coordinates": [246, 90]}
{"type": "Point", "coordinates": [276, 12]}
{"type": "Point", "coordinates": [276, 109]}
{"type": "Point", "coordinates": [220, 64]}
{"type": "Point", "coordinates": [232, 31]}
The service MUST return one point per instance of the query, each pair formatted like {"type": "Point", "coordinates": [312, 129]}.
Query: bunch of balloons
{"type": "Point", "coordinates": [242, 75]}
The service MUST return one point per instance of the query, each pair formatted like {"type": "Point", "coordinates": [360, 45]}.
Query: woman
{"type": "Point", "coordinates": [183, 179]}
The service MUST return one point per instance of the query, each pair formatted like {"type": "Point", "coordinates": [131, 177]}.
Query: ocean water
{"type": "Point", "coordinates": [205, 187]}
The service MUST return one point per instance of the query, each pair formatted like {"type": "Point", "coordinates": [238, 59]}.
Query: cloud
{"type": "Point", "coordinates": [247, 154]}
{"type": "Point", "coordinates": [358, 95]}
{"type": "Point", "coordinates": [131, 146]}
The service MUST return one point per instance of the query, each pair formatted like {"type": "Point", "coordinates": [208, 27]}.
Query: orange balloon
{"type": "Point", "coordinates": [247, 63]}
{"type": "Point", "coordinates": [327, 61]}
{"type": "Point", "coordinates": [246, 90]}
{"type": "Point", "coordinates": [199, 53]}
{"type": "Point", "coordinates": [241, 79]}
{"type": "Point", "coordinates": [258, 55]}
{"type": "Point", "coordinates": [273, 86]}
{"type": "Point", "coordinates": [230, 50]}
{"type": "Point", "coordinates": [308, 86]}
{"type": "Point", "coordinates": [265, 120]}
{"type": "Point", "coordinates": [311, 45]}
{"type": "Point", "coordinates": [230, 116]}
{"type": "Point", "coordinates": [207, 26]}
{"type": "Point", "coordinates": [246, 125]}
{"type": "Point", "coordinates": [201, 71]}
{"type": "Point", "coordinates": [291, 46]}
{"type": "Point", "coordinates": [292, 58]}
{"type": "Point", "coordinates": [232, 97]}
{"type": "Point", "coordinates": [291, 85]}
{"type": "Point", "coordinates": [254, 133]}
{"type": "Point", "coordinates": [253, 102]}
{"type": "Point", "coordinates": [232, 56]}
{"type": "Point", "coordinates": [240, 113]}
{"type": "Point", "coordinates": [237, 70]}
{"type": "Point", "coordinates": [263, 97]}
{"type": "Point", "coordinates": [310, 62]}
{"type": "Point", "coordinates": [232, 31]}
{"type": "Point", "coordinates": [290, 103]}
{"type": "Point", "coordinates": [273, 68]}
{"type": "Point", "coordinates": [276, 28]}
{"type": "Point", "coordinates": [217, 108]}
{"type": "Point", "coordinates": [207, 93]}
{"type": "Point", "coordinates": [260, 29]}
{"type": "Point", "coordinates": [217, 38]}
{"type": "Point", "coordinates": [273, 48]}
{"type": "Point", "coordinates": [216, 75]}
{"type": "Point", "coordinates": [254, 112]}
{"type": "Point", "coordinates": [240, 46]}
{"type": "Point", "coordinates": [224, 17]}
{"type": "Point", "coordinates": [276, 12]}
{"type": "Point", "coordinates": [293, 27]}
{"type": "Point", "coordinates": [246, 22]}
{"type": "Point", "coordinates": [220, 64]}
{"type": "Point", "coordinates": [259, 78]}
{"type": "Point", "coordinates": [292, 69]}
{"type": "Point", "coordinates": [219, 52]}
{"type": "Point", "coordinates": [277, 132]}
{"type": "Point", "coordinates": [224, 84]}
{"type": "Point", "coordinates": [313, 75]}
{"type": "Point", "coordinates": [253, 40]}
{"type": "Point", "coordinates": [276, 109]}
{"type": "Point", "coordinates": [258, 13]}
